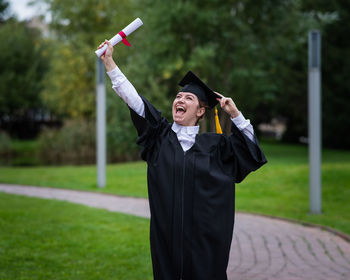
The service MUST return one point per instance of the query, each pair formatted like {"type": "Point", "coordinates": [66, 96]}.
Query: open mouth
{"type": "Point", "coordinates": [180, 110]}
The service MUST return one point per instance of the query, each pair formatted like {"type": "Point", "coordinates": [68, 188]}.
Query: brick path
{"type": "Point", "coordinates": [262, 248]}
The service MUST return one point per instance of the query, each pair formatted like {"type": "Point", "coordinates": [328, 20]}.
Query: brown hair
{"type": "Point", "coordinates": [201, 105]}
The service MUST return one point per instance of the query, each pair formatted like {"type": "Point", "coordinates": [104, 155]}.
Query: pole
{"type": "Point", "coordinates": [100, 123]}
{"type": "Point", "coordinates": [314, 112]}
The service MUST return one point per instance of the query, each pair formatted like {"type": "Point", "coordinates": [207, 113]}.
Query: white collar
{"type": "Point", "coordinates": [185, 129]}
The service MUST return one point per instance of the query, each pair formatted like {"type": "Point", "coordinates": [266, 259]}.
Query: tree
{"type": "Point", "coordinates": [79, 27]}
{"type": "Point", "coordinates": [23, 65]}
{"type": "Point", "coordinates": [335, 71]}
{"type": "Point", "coordinates": [4, 11]}
{"type": "Point", "coordinates": [253, 51]}
{"type": "Point", "coordinates": [69, 83]}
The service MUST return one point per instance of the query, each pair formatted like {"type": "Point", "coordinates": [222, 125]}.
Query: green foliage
{"type": "Point", "coordinates": [3, 10]}
{"type": "Point", "coordinates": [73, 143]}
{"type": "Point", "coordinates": [121, 134]}
{"type": "Point", "coordinates": [5, 144]}
{"type": "Point", "coordinates": [83, 21]}
{"type": "Point", "coordinates": [69, 83]}
{"type": "Point", "coordinates": [48, 239]}
{"type": "Point", "coordinates": [335, 69]}
{"type": "Point", "coordinates": [252, 51]}
{"type": "Point", "coordinates": [23, 65]}
{"type": "Point", "coordinates": [17, 153]}
{"type": "Point", "coordinates": [79, 27]}
{"type": "Point", "coordinates": [24, 153]}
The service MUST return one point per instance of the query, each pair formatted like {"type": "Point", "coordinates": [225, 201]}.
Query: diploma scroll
{"type": "Point", "coordinates": [121, 36]}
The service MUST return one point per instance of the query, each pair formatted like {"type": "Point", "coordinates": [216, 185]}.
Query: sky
{"type": "Point", "coordinates": [22, 10]}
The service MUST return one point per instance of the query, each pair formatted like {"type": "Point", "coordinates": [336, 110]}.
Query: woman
{"type": "Point", "coordinates": [191, 177]}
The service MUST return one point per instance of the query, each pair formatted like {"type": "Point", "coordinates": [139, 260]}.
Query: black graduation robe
{"type": "Point", "coordinates": [192, 196]}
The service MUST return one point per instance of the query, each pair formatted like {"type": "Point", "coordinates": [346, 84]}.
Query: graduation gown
{"type": "Point", "coordinates": [192, 196]}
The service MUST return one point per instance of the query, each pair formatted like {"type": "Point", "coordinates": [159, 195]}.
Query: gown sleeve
{"type": "Point", "coordinates": [148, 128]}
{"type": "Point", "coordinates": [242, 154]}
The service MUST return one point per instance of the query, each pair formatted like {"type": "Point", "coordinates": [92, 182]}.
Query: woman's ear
{"type": "Point", "coordinates": [200, 112]}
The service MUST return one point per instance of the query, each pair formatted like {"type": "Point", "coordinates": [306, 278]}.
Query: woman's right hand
{"type": "Point", "coordinates": [107, 57]}
{"type": "Point", "coordinates": [109, 51]}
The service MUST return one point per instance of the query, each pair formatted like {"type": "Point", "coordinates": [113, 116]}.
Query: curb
{"type": "Point", "coordinates": [340, 234]}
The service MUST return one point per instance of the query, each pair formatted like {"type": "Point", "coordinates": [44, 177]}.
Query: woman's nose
{"type": "Point", "coordinates": [181, 99]}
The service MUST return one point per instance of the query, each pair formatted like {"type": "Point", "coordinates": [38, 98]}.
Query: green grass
{"type": "Point", "coordinates": [127, 179]}
{"type": "Point", "coordinates": [48, 239]}
{"type": "Point", "coordinates": [279, 188]}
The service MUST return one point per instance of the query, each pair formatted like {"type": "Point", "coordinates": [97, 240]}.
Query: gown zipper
{"type": "Point", "coordinates": [182, 215]}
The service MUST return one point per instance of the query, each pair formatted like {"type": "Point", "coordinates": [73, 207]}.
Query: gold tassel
{"type": "Point", "coordinates": [217, 123]}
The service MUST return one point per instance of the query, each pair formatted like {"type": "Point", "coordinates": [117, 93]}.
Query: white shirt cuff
{"type": "Point", "coordinates": [240, 121]}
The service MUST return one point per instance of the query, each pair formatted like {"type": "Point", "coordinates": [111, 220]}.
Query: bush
{"type": "Point", "coordinates": [5, 147]}
{"type": "Point", "coordinates": [24, 153]}
{"type": "Point", "coordinates": [18, 152]}
{"type": "Point", "coordinates": [74, 143]}
{"type": "Point", "coordinates": [121, 133]}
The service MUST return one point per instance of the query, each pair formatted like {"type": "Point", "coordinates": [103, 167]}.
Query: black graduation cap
{"type": "Point", "coordinates": [191, 83]}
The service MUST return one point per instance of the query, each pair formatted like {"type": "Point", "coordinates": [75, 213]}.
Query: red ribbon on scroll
{"type": "Point", "coordinates": [126, 42]}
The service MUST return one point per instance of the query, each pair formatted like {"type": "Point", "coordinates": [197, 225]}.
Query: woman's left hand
{"type": "Point", "coordinates": [228, 105]}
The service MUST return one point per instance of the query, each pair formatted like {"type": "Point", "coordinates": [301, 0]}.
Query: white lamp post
{"type": "Point", "coordinates": [100, 123]}
{"type": "Point", "coordinates": [314, 112]}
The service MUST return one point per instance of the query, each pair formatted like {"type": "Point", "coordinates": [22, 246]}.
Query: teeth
{"type": "Point", "coordinates": [180, 108]}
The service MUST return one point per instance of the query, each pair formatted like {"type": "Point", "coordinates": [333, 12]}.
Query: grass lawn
{"type": "Point", "coordinates": [279, 188]}
{"type": "Point", "coordinates": [48, 239]}
{"type": "Point", "coordinates": [127, 179]}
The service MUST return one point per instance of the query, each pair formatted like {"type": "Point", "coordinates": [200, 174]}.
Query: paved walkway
{"type": "Point", "coordinates": [262, 248]}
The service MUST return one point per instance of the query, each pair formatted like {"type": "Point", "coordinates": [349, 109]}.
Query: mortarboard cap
{"type": "Point", "coordinates": [191, 83]}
